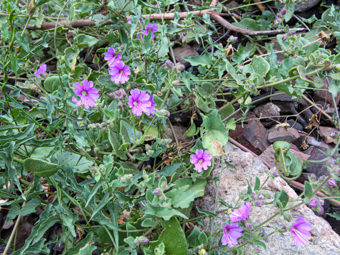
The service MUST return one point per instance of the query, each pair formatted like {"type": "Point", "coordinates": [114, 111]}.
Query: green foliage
{"type": "Point", "coordinates": [107, 178]}
{"type": "Point", "coordinates": [173, 238]}
{"type": "Point", "coordinates": [40, 167]}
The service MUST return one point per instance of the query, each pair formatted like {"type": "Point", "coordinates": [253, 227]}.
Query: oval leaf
{"type": "Point", "coordinates": [40, 167]}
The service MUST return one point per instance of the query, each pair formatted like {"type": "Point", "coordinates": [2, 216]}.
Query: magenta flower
{"type": "Point", "coordinates": [140, 102]}
{"type": "Point", "coordinates": [149, 28]}
{"type": "Point", "coordinates": [230, 235]}
{"type": "Point", "coordinates": [201, 160]}
{"type": "Point", "coordinates": [111, 56]}
{"type": "Point", "coordinates": [241, 213]}
{"type": "Point", "coordinates": [332, 183]}
{"type": "Point", "coordinates": [120, 72]}
{"type": "Point", "coordinates": [300, 231]}
{"type": "Point", "coordinates": [313, 203]}
{"type": "Point", "coordinates": [87, 94]}
{"type": "Point", "coordinates": [41, 70]}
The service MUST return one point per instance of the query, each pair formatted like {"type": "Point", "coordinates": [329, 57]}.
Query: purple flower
{"type": "Point", "coordinates": [111, 56]}
{"type": "Point", "coordinates": [87, 94]}
{"type": "Point", "coordinates": [331, 182]}
{"type": "Point", "coordinates": [230, 235]}
{"type": "Point", "coordinates": [300, 231]}
{"type": "Point", "coordinates": [41, 70]}
{"type": "Point", "coordinates": [140, 102]}
{"type": "Point", "coordinates": [120, 72]}
{"type": "Point", "coordinates": [201, 160]}
{"type": "Point", "coordinates": [156, 191]}
{"type": "Point", "coordinates": [313, 203]}
{"type": "Point", "coordinates": [149, 28]}
{"type": "Point", "coordinates": [168, 63]}
{"type": "Point", "coordinates": [241, 213]}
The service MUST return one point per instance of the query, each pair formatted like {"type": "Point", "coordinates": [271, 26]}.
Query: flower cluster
{"type": "Point", "coordinates": [119, 71]}
{"type": "Point", "coordinates": [201, 160]}
{"type": "Point", "coordinates": [300, 230]}
{"type": "Point", "coordinates": [87, 94]}
{"type": "Point", "coordinates": [140, 102]}
{"type": "Point", "coordinates": [279, 17]}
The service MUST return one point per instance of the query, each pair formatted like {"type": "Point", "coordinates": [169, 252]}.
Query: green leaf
{"type": "Point", "coordinates": [192, 130]}
{"type": "Point", "coordinates": [149, 223]}
{"type": "Point", "coordinates": [185, 192]}
{"type": "Point", "coordinates": [164, 47]}
{"type": "Point", "coordinates": [128, 132]}
{"type": "Point", "coordinates": [163, 212]}
{"type": "Point", "coordinates": [257, 184]}
{"type": "Point", "coordinates": [30, 207]}
{"type": "Point", "coordinates": [85, 40]}
{"type": "Point", "coordinates": [290, 11]}
{"type": "Point", "coordinates": [281, 145]}
{"type": "Point", "coordinates": [46, 221]}
{"type": "Point", "coordinates": [335, 76]}
{"type": "Point", "coordinates": [173, 238]}
{"type": "Point", "coordinates": [40, 167]}
{"type": "Point", "coordinates": [215, 134]}
{"type": "Point", "coordinates": [78, 163]}
{"type": "Point", "coordinates": [260, 65]}
{"type": "Point", "coordinates": [335, 215]}
{"type": "Point", "coordinates": [102, 203]}
{"type": "Point", "coordinates": [203, 60]}
{"type": "Point", "coordinates": [170, 170]}
{"type": "Point", "coordinates": [302, 72]}
{"type": "Point", "coordinates": [259, 243]}
{"type": "Point", "coordinates": [283, 198]}
{"type": "Point", "coordinates": [231, 70]}
{"type": "Point", "coordinates": [203, 238]}
{"type": "Point", "coordinates": [308, 191]}
{"type": "Point", "coordinates": [334, 88]}
{"type": "Point", "coordinates": [71, 56]}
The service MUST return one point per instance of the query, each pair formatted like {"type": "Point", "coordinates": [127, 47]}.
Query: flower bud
{"type": "Point", "coordinates": [156, 191]}
{"type": "Point", "coordinates": [232, 39]}
{"type": "Point", "coordinates": [332, 183]}
{"type": "Point", "coordinates": [202, 252]}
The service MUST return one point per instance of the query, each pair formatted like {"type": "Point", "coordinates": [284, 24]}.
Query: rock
{"type": "Point", "coordinates": [235, 180]}
{"type": "Point", "coordinates": [326, 96]}
{"type": "Point", "coordinates": [294, 124]}
{"type": "Point", "coordinates": [253, 136]}
{"type": "Point", "coordinates": [185, 51]}
{"type": "Point", "coordinates": [326, 134]}
{"type": "Point", "coordinates": [267, 110]}
{"type": "Point", "coordinates": [318, 168]}
{"type": "Point", "coordinates": [306, 5]}
{"type": "Point", "coordinates": [268, 155]}
{"type": "Point", "coordinates": [266, 113]}
{"type": "Point", "coordinates": [282, 134]}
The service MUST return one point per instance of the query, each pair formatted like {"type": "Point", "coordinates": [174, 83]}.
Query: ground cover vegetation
{"type": "Point", "coordinates": [89, 90]}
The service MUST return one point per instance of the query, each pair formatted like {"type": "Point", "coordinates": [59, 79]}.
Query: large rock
{"type": "Point", "coordinates": [235, 180]}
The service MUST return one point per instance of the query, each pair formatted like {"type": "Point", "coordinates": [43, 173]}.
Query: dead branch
{"type": "Point", "coordinates": [86, 22]}
{"type": "Point", "coordinates": [231, 27]}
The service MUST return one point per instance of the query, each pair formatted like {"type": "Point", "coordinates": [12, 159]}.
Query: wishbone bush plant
{"type": "Point", "coordinates": [84, 113]}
